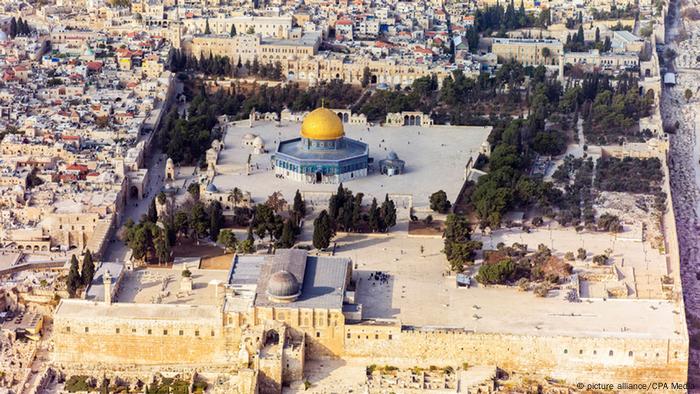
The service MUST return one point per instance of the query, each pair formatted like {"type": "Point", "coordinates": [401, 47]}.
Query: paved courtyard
{"type": "Point", "coordinates": [162, 286]}
{"type": "Point", "coordinates": [435, 157]}
{"type": "Point", "coordinates": [418, 292]}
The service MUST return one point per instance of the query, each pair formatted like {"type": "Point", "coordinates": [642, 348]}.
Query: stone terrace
{"type": "Point", "coordinates": [418, 292]}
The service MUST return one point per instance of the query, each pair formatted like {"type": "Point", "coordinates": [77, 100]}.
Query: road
{"type": "Point", "coordinates": [155, 162]}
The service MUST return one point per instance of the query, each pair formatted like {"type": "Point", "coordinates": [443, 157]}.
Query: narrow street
{"type": "Point", "coordinates": [155, 162]}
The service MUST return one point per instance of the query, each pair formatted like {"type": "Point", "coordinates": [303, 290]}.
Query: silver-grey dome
{"type": "Point", "coordinates": [283, 285]}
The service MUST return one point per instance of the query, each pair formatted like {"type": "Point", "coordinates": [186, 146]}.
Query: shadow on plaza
{"type": "Point", "coordinates": [352, 242]}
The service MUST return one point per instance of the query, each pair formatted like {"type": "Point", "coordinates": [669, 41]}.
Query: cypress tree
{"type": "Point", "coordinates": [22, 27]}
{"type": "Point", "coordinates": [233, 32]}
{"type": "Point", "coordinates": [162, 247]}
{"type": "Point", "coordinates": [388, 212]}
{"type": "Point", "coordinates": [152, 212]}
{"type": "Point", "coordinates": [287, 238]}
{"type": "Point", "coordinates": [374, 216]}
{"type": "Point", "coordinates": [215, 219]}
{"type": "Point", "coordinates": [207, 29]}
{"type": "Point", "coordinates": [580, 35]}
{"type": "Point", "coordinates": [299, 205]}
{"type": "Point", "coordinates": [73, 279]}
{"type": "Point", "coordinates": [13, 27]}
{"type": "Point", "coordinates": [88, 271]}
{"type": "Point", "coordinates": [322, 231]}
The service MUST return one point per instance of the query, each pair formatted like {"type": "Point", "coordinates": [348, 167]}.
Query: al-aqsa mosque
{"type": "Point", "coordinates": [322, 154]}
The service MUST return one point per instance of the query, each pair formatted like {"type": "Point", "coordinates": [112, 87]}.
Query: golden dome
{"type": "Point", "coordinates": [322, 124]}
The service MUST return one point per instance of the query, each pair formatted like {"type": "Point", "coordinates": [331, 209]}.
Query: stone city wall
{"type": "Point", "coordinates": [571, 358]}
{"type": "Point", "coordinates": [138, 342]}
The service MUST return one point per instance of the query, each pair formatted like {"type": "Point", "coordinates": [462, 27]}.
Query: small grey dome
{"type": "Point", "coordinates": [283, 285]}
{"type": "Point", "coordinates": [392, 156]}
{"type": "Point", "coordinates": [211, 188]}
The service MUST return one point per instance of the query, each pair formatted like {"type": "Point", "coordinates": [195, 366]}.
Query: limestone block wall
{"type": "Point", "coordinates": [293, 360]}
{"type": "Point", "coordinates": [324, 328]}
{"type": "Point", "coordinates": [571, 358]}
{"type": "Point", "coordinates": [140, 342]}
{"type": "Point", "coordinates": [270, 370]}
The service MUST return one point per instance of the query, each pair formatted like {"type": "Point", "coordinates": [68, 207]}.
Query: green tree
{"type": "Point", "coordinates": [600, 259]}
{"type": "Point", "coordinates": [374, 218]}
{"type": "Point", "coordinates": [498, 273]}
{"type": "Point", "coordinates": [356, 212]}
{"type": "Point", "coordinates": [73, 280]}
{"type": "Point", "coordinates": [193, 189]}
{"type": "Point", "coordinates": [388, 213]}
{"type": "Point", "coordinates": [287, 238]}
{"type": "Point", "coordinates": [299, 206]}
{"type": "Point", "coordinates": [233, 34]}
{"type": "Point", "coordinates": [688, 95]}
{"type": "Point", "coordinates": [88, 270]}
{"type": "Point", "coordinates": [181, 223]}
{"type": "Point", "coordinates": [246, 246]}
{"type": "Point", "coordinates": [13, 27]}
{"type": "Point", "coordinates": [546, 53]}
{"type": "Point", "coordinates": [228, 239]}
{"type": "Point", "coordinates": [161, 244]}
{"type": "Point", "coordinates": [162, 198]}
{"type": "Point", "coordinates": [366, 77]}
{"type": "Point", "coordinates": [198, 219]}
{"type": "Point", "coordinates": [152, 212]}
{"type": "Point", "coordinates": [236, 196]}
{"type": "Point", "coordinates": [216, 219]}
{"type": "Point", "coordinates": [207, 29]}
{"type": "Point", "coordinates": [139, 241]}
{"type": "Point", "coordinates": [581, 254]}
{"type": "Point", "coordinates": [322, 231]}
{"type": "Point", "coordinates": [266, 222]}
{"type": "Point", "coordinates": [458, 245]}
{"type": "Point", "coordinates": [439, 202]}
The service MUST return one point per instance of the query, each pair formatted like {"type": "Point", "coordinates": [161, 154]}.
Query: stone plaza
{"type": "Point", "coordinates": [436, 158]}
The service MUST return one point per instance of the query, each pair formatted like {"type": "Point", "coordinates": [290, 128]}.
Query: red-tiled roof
{"type": "Point", "coordinates": [94, 66]}
{"type": "Point", "coordinates": [77, 167]}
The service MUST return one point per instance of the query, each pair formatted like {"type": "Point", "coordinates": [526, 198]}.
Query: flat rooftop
{"type": "Point", "coordinates": [428, 151]}
{"type": "Point", "coordinates": [162, 286]}
{"type": "Point", "coordinates": [82, 309]}
{"type": "Point", "coordinates": [419, 294]}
